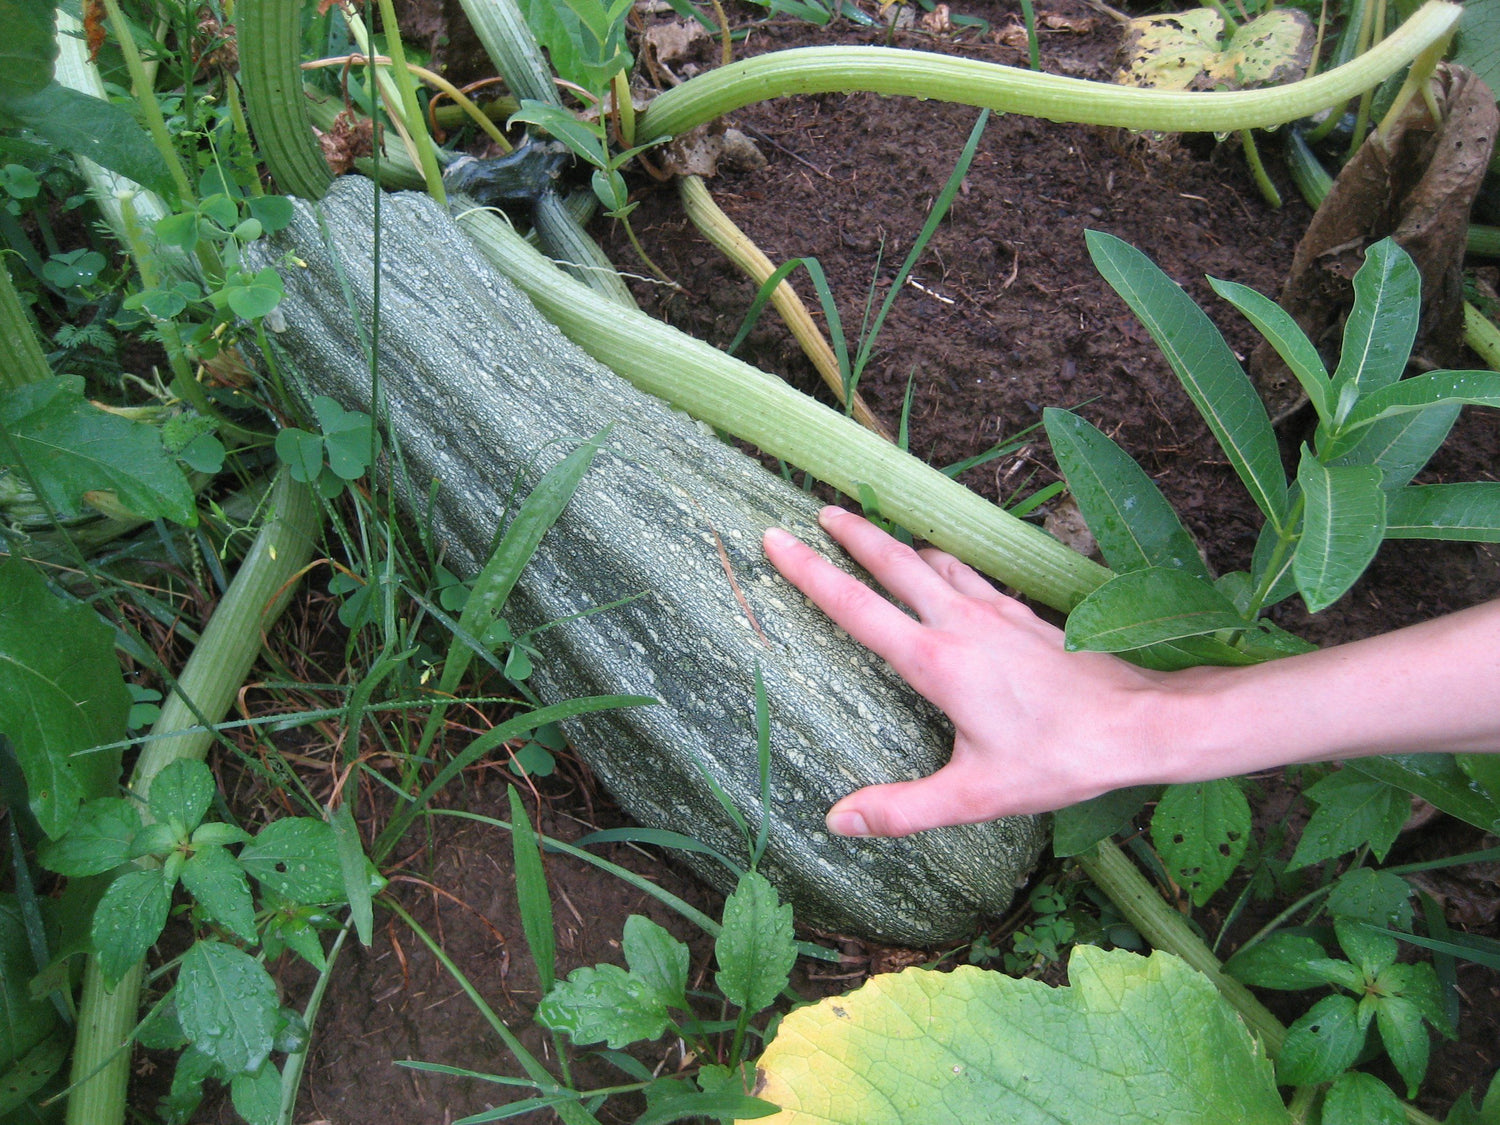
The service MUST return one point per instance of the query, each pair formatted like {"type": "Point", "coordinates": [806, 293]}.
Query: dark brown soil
{"type": "Point", "coordinates": [1005, 315]}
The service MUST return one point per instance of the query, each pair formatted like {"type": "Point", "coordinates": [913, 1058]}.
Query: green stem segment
{"type": "Point", "coordinates": [21, 358]}
{"type": "Point", "coordinates": [270, 39]}
{"type": "Point", "coordinates": [885, 70]}
{"type": "Point", "coordinates": [211, 679]}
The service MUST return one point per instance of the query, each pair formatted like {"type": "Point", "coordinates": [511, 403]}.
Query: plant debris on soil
{"type": "Point", "coordinates": [1003, 316]}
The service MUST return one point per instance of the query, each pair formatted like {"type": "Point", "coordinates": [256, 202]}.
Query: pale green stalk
{"type": "Point", "coordinates": [763, 410]}
{"type": "Point", "coordinates": [211, 679]}
{"type": "Point", "coordinates": [886, 70]}
{"type": "Point", "coordinates": [410, 110]}
{"type": "Point", "coordinates": [21, 358]}
{"type": "Point", "coordinates": [145, 100]}
{"type": "Point", "coordinates": [512, 48]}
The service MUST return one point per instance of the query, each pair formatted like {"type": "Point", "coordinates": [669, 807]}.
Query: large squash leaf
{"type": "Point", "coordinates": [1133, 1041]}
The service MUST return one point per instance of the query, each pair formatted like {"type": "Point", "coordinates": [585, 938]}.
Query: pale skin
{"type": "Point", "coordinates": [1038, 728]}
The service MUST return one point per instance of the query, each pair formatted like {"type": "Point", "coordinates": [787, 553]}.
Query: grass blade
{"type": "Point", "coordinates": [1202, 361]}
{"type": "Point", "coordinates": [532, 893]}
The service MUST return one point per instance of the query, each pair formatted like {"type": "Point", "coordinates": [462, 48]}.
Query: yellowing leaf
{"type": "Point", "coordinates": [1133, 1041]}
{"type": "Point", "coordinates": [1188, 51]}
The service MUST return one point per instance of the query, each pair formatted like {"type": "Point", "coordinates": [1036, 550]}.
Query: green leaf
{"type": "Point", "coordinates": [1280, 961]}
{"type": "Point", "coordinates": [226, 1003]}
{"type": "Point", "coordinates": [192, 1070]}
{"type": "Point", "coordinates": [354, 869]}
{"type": "Point", "coordinates": [297, 857]}
{"type": "Point", "coordinates": [28, 50]}
{"type": "Point", "coordinates": [1379, 898]}
{"type": "Point", "coordinates": [1437, 779]}
{"type": "Point", "coordinates": [129, 919]}
{"type": "Point", "coordinates": [349, 437]}
{"type": "Point", "coordinates": [1371, 949]}
{"type": "Point", "coordinates": [673, 1099]}
{"type": "Point", "coordinates": [182, 792]}
{"type": "Point", "coordinates": [274, 212]}
{"type": "Point", "coordinates": [1210, 374]}
{"type": "Point", "coordinates": [61, 693]}
{"type": "Point", "coordinates": [1131, 520]}
{"type": "Point", "coordinates": [1469, 512]}
{"type": "Point", "coordinates": [98, 841]}
{"type": "Point", "coordinates": [1382, 324]}
{"type": "Point", "coordinates": [28, 1074]}
{"type": "Point", "coordinates": [1356, 1098]}
{"type": "Point", "coordinates": [1322, 1044]}
{"type": "Point", "coordinates": [1406, 1040]}
{"type": "Point", "coordinates": [1146, 607]}
{"type": "Point", "coordinates": [219, 885]}
{"type": "Point", "coordinates": [254, 295]}
{"type": "Point", "coordinates": [606, 1003]}
{"type": "Point", "coordinates": [533, 897]}
{"type": "Point", "coordinates": [1201, 831]}
{"type": "Point", "coordinates": [1420, 392]}
{"type": "Point", "coordinates": [1353, 809]}
{"type": "Point", "coordinates": [965, 1046]}
{"type": "Point", "coordinates": [99, 130]}
{"type": "Point", "coordinates": [1283, 333]}
{"type": "Point", "coordinates": [657, 958]}
{"type": "Point", "coordinates": [70, 448]}
{"type": "Point", "coordinates": [584, 139]}
{"type": "Point", "coordinates": [25, 1020]}
{"type": "Point", "coordinates": [301, 452]}
{"type": "Point", "coordinates": [755, 948]}
{"type": "Point", "coordinates": [1078, 828]}
{"type": "Point", "coordinates": [1399, 446]}
{"type": "Point", "coordinates": [1477, 47]}
{"type": "Point", "coordinates": [1342, 526]}
{"type": "Point", "coordinates": [257, 1095]}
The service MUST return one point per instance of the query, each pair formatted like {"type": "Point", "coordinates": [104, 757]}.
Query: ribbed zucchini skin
{"type": "Point", "coordinates": [479, 390]}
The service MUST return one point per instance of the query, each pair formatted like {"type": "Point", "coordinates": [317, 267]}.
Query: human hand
{"type": "Point", "coordinates": [1036, 727]}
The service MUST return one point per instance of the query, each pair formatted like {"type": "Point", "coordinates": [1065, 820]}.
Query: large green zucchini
{"type": "Point", "coordinates": [476, 387]}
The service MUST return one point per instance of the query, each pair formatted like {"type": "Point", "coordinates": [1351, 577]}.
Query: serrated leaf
{"type": "Point", "coordinates": [70, 447]}
{"type": "Point", "coordinates": [1405, 1038]}
{"type": "Point", "coordinates": [1280, 961]}
{"type": "Point", "coordinates": [1382, 325]}
{"type": "Point", "coordinates": [1342, 527]}
{"type": "Point", "coordinates": [297, 857]}
{"type": "Point", "coordinates": [971, 1045]}
{"type": "Point", "coordinates": [1467, 512]}
{"type": "Point", "coordinates": [1201, 831]}
{"type": "Point", "coordinates": [192, 1070]}
{"type": "Point", "coordinates": [1131, 520]}
{"type": "Point", "coordinates": [98, 841]}
{"type": "Point", "coordinates": [129, 919]}
{"type": "Point", "coordinates": [1079, 827]}
{"type": "Point", "coordinates": [604, 1002]}
{"type": "Point", "coordinates": [657, 958]}
{"type": "Point", "coordinates": [182, 792]}
{"type": "Point", "coordinates": [1322, 1044]}
{"type": "Point", "coordinates": [1205, 366]}
{"type": "Point", "coordinates": [226, 1003]}
{"type": "Point", "coordinates": [1147, 607]}
{"type": "Point", "coordinates": [1378, 898]}
{"type": "Point", "coordinates": [1353, 809]}
{"type": "Point", "coordinates": [1369, 948]}
{"type": "Point", "coordinates": [61, 693]}
{"type": "Point", "coordinates": [219, 885]}
{"type": "Point", "coordinates": [257, 1095]}
{"type": "Point", "coordinates": [1356, 1098]}
{"type": "Point", "coordinates": [755, 949]}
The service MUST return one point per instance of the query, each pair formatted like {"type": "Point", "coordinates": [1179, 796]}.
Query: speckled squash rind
{"type": "Point", "coordinates": [480, 391]}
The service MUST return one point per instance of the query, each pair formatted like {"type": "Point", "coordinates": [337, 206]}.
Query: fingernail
{"type": "Point", "coordinates": [776, 537]}
{"type": "Point", "coordinates": [847, 823]}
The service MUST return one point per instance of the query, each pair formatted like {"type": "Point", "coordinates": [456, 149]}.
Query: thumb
{"type": "Point", "coordinates": [952, 795]}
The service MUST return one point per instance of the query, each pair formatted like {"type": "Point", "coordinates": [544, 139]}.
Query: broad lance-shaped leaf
{"type": "Point", "coordinates": [1400, 445]}
{"type": "Point", "coordinates": [1438, 780]}
{"type": "Point", "coordinates": [1130, 518]}
{"type": "Point", "coordinates": [1133, 1041]}
{"type": "Point", "coordinates": [61, 693]}
{"type": "Point", "coordinates": [1342, 526]}
{"type": "Point", "coordinates": [1202, 361]}
{"type": "Point", "coordinates": [1436, 388]}
{"type": "Point", "coordinates": [227, 1005]}
{"type": "Point", "coordinates": [1285, 335]}
{"type": "Point", "coordinates": [1353, 810]}
{"type": "Point", "coordinates": [755, 949]}
{"type": "Point", "coordinates": [1382, 324]}
{"type": "Point", "coordinates": [1468, 511]}
{"type": "Point", "coordinates": [1146, 607]}
{"type": "Point", "coordinates": [70, 447]}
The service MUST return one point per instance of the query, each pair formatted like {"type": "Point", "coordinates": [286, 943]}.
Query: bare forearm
{"type": "Point", "coordinates": [1429, 687]}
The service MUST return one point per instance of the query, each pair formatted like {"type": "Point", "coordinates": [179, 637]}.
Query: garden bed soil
{"type": "Point", "coordinates": [1004, 315]}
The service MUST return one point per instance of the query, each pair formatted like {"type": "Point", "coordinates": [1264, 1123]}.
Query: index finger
{"type": "Point", "coordinates": [853, 606]}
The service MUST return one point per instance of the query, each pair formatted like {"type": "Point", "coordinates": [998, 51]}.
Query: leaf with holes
{"type": "Point", "coordinates": [1201, 831]}
{"type": "Point", "coordinates": [297, 857]}
{"type": "Point", "coordinates": [1322, 1044]}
